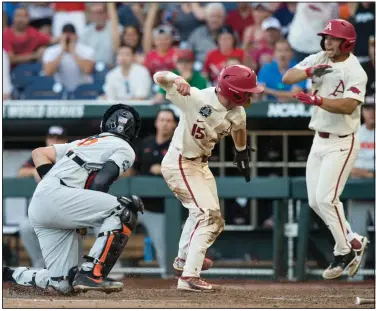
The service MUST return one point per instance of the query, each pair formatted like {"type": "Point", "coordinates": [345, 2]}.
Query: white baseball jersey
{"type": "Point", "coordinates": [96, 149]}
{"type": "Point", "coordinates": [348, 80]}
{"type": "Point", "coordinates": [366, 156]}
{"type": "Point", "coordinates": [203, 121]}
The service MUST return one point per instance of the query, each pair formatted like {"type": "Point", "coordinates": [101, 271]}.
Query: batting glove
{"type": "Point", "coordinates": [318, 71]}
{"type": "Point", "coordinates": [309, 99]}
{"type": "Point", "coordinates": [241, 160]}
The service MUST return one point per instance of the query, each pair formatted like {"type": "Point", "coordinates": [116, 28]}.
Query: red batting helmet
{"type": "Point", "coordinates": [236, 81]}
{"type": "Point", "coordinates": [340, 28]}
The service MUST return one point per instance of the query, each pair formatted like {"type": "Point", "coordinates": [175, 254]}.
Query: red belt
{"type": "Point", "coordinates": [326, 135]}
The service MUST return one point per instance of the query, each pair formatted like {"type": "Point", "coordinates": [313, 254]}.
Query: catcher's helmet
{"type": "Point", "coordinates": [123, 121]}
{"type": "Point", "coordinates": [340, 28]}
{"type": "Point", "coordinates": [236, 81]}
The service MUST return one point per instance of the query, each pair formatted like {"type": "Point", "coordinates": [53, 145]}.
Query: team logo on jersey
{"type": "Point", "coordinates": [340, 88]}
{"type": "Point", "coordinates": [126, 165]}
{"type": "Point", "coordinates": [206, 111]}
{"type": "Point", "coordinates": [354, 89]}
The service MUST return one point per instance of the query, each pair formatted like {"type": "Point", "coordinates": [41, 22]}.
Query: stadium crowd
{"type": "Point", "coordinates": [102, 47]}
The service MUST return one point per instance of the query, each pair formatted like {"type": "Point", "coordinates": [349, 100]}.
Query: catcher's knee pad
{"type": "Point", "coordinates": [118, 238]}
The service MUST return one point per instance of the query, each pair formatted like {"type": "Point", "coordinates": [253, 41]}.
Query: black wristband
{"type": "Point", "coordinates": [44, 169]}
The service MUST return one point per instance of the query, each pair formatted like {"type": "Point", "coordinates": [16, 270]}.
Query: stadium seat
{"type": "Point", "coordinates": [88, 91]}
{"type": "Point", "coordinates": [44, 88]}
{"type": "Point", "coordinates": [23, 74]}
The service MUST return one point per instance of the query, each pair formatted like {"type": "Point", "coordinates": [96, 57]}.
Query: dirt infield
{"type": "Point", "coordinates": [158, 293]}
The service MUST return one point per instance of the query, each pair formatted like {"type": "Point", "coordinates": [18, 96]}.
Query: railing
{"type": "Point", "coordinates": [286, 193]}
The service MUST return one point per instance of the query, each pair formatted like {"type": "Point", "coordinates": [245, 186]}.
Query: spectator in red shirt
{"type": "Point", "coordinates": [22, 42]}
{"type": "Point", "coordinates": [163, 56]}
{"type": "Point", "coordinates": [217, 59]}
{"type": "Point", "coordinates": [240, 18]}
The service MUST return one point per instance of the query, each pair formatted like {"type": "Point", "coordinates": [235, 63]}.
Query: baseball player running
{"type": "Point", "coordinates": [207, 116]}
{"type": "Point", "coordinates": [338, 83]}
{"type": "Point", "coordinates": [61, 205]}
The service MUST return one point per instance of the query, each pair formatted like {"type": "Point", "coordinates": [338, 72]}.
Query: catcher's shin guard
{"type": "Point", "coordinates": [117, 239]}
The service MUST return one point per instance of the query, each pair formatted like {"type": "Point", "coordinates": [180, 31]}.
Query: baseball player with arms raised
{"type": "Point", "coordinates": [338, 83]}
{"type": "Point", "coordinates": [207, 116]}
{"type": "Point", "coordinates": [72, 197]}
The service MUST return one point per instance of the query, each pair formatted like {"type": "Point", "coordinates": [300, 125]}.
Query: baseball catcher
{"type": "Point", "coordinates": [73, 196]}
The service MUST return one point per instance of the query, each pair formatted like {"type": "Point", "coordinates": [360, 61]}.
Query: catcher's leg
{"type": "Point", "coordinates": [30, 242]}
{"type": "Point", "coordinates": [114, 234]}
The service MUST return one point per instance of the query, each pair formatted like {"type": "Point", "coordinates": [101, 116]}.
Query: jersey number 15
{"type": "Point", "coordinates": [197, 132]}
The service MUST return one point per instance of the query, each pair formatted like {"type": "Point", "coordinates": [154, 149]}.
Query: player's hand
{"type": "Point", "coordinates": [241, 160]}
{"type": "Point", "coordinates": [309, 99]}
{"type": "Point", "coordinates": [155, 169]}
{"type": "Point", "coordinates": [183, 87]}
{"type": "Point", "coordinates": [318, 71]}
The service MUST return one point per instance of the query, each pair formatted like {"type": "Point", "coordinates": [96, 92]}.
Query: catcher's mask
{"type": "Point", "coordinates": [123, 121]}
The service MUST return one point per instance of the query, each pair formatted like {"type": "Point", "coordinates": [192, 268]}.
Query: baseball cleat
{"type": "Point", "coordinates": [8, 275]}
{"type": "Point", "coordinates": [85, 281]}
{"type": "Point", "coordinates": [339, 265]}
{"type": "Point", "coordinates": [359, 246]}
{"type": "Point", "coordinates": [179, 265]}
{"type": "Point", "coordinates": [195, 284]}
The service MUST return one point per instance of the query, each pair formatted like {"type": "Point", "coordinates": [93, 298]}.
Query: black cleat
{"type": "Point", "coordinates": [339, 265]}
{"type": "Point", "coordinates": [7, 275]}
{"type": "Point", "coordinates": [85, 281]}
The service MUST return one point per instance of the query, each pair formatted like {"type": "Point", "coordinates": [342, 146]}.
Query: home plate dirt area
{"type": "Point", "coordinates": [158, 293]}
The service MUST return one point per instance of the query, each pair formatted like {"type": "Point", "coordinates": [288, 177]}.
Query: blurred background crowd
{"type": "Point", "coordinates": [111, 50]}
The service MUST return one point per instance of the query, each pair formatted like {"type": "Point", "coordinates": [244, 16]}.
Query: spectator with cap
{"type": "Point", "coordinates": [264, 52]}
{"type": "Point", "coordinates": [254, 34]}
{"type": "Point", "coordinates": [22, 42]}
{"type": "Point", "coordinates": [56, 135]}
{"type": "Point", "coordinates": [70, 62]}
{"type": "Point", "coordinates": [361, 211]}
{"type": "Point", "coordinates": [7, 84]}
{"type": "Point", "coordinates": [271, 74]}
{"type": "Point", "coordinates": [240, 18]}
{"type": "Point", "coordinates": [216, 59]}
{"type": "Point", "coordinates": [304, 40]}
{"type": "Point", "coordinates": [102, 34]}
{"type": "Point", "coordinates": [184, 68]}
{"type": "Point", "coordinates": [369, 68]}
{"type": "Point", "coordinates": [150, 153]}
{"type": "Point", "coordinates": [129, 80]}
{"type": "Point", "coordinates": [203, 38]}
{"type": "Point", "coordinates": [163, 56]}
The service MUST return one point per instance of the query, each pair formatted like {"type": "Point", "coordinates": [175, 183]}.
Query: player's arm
{"type": "Point", "coordinates": [353, 95]}
{"type": "Point", "coordinates": [307, 68]}
{"type": "Point", "coordinates": [119, 162]}
{"type": "Point", "coordinates": [166, 79]}
{"type": "Point", "coordinates": [44, 158]}
{"type": "Point", "coordinates": [105, 177]}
